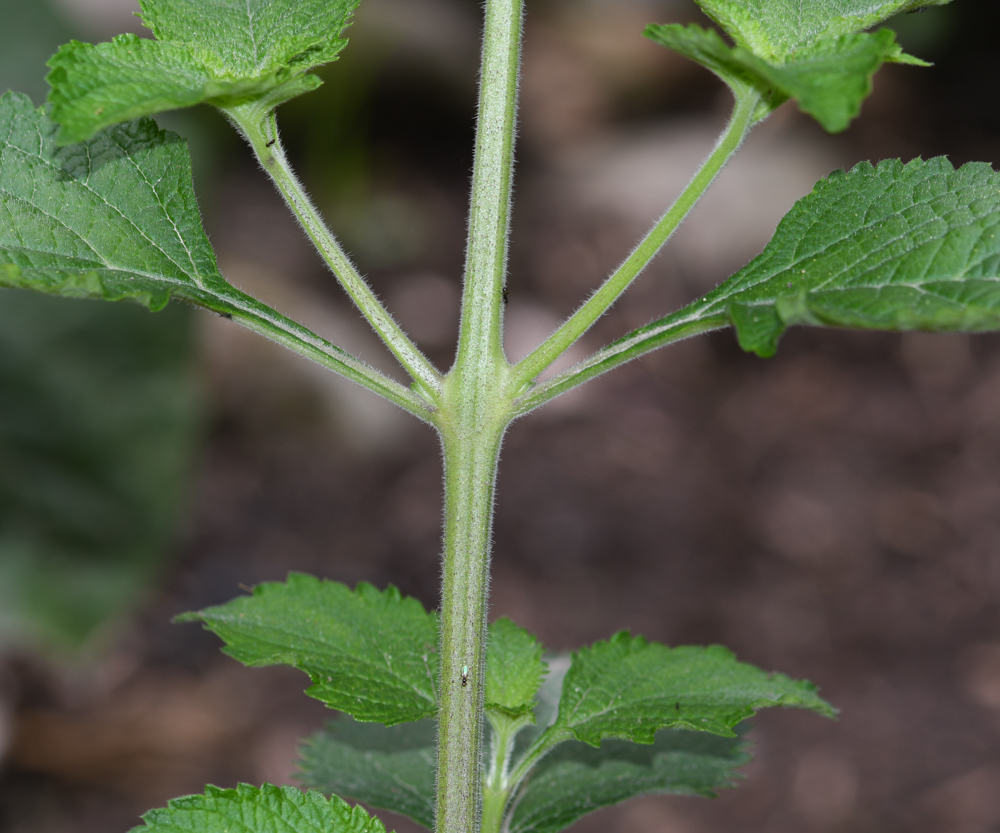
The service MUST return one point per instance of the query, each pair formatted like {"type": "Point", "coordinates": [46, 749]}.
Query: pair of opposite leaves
{"type": "Point", "coordinates": [894, 247]}
{"type": "Point", "coordinates": [373, 655]}
{"type": "Point", "coordinates": [233, 53]}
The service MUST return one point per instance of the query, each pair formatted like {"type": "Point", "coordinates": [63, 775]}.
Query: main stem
{"type": "Point", "coordinates": [475, 409]}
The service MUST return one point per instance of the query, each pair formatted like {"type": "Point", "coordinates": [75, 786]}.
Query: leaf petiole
{"type": "Point", "coordinates": [258, 125]}
{"type": "Point", "coordinates": [740, 123]}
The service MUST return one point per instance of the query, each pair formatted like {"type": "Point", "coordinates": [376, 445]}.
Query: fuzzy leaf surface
{"type": "Point", "coordinates": [577, 779]}
{"type": "Point", "coordinates": [514, 668]}
{"type": "Point", "coordinates": [268, 809]}
{"type": "Point", "coordinates": [828, 79]}
{"type": "Point", "coordinates": [390, 767]}
{"type": "Point", "coordinates": [225, 53]}
{"type": "Point", "coordinates": [889, 247]}
{"type": "Point", "coordinates": [629, 688]}
{"type": "Point", "coordinates": [369, 653]}
{"type": "Point", "coordinates": [115, 218]}
{"type": "Point", "coordinates": [774, 29]}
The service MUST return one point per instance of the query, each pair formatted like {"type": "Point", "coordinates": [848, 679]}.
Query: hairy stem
{"type": "Point", "coordinates": [471, 454]}
{"type": "Point", "coordinates": [260, 130]}
{"type": "Point", "coordinates": [598, 303]}
{"type": "Point", "coordinates": [475, 411]}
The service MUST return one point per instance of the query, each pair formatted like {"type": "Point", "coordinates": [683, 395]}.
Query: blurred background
{"type": "Point", "coordinates": [833, 513]}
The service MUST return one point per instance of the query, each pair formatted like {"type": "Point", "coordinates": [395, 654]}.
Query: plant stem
{"type": "Point", "coordinates": [481, 335]}
{"type": "Point", "coordinates": [470, 475]}
{"type": "Point", "coordinates": [474, 413]}
{"type": "Point", "coordinates": [562, 339]}
{"type": "Point", "coordinates": [675, 327]}
{"type": "Point", "coordinates": [259, 127]}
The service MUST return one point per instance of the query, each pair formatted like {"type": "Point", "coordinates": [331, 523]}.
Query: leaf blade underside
{"type": "Point", "coordinates": [775, 29]}
{"type": "Point", "coordinates": [392, 768]}
{"type": "Point", "coordinates": [577, 779]}
{"type": "Point", "coordinates": [829, 79]}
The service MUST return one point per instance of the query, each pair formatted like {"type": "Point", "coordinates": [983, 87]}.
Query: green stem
{"type": "Point", "coordinates": [481, 334]}
{"type": "Point", "coordinates": [259, 127]}
{"type": "Point", "coordinates": [471, 450]}
{"type": "Point", "coordinates": [674, 328]}
{"type": "Point", "coordinates": [474, 413]}
{"type": "Point", "coordinates": [598, 303]}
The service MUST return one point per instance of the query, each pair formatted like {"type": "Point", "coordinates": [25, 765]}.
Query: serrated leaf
{"type": "Point", "coordinates": [577, 779]}
{"type": "Point", "coordinates": [829, 79]}
{"type": "Point", "coordinates": [774, 29]}
{"type": "Point", "coordinates": [892, 247]}
{"type": "Point", "coordinates": [268, 809]}
{"type": "Point", "coordinates": [630, 688]}
{"type": "Point", "coordinates": [225, 53]}
{"type": "Point", "coordinates": [514, 668]}
{"type": "Point", "coordinates": [392, 768]}
{"type": "Point", "coordinates": [369, 653]}
{"type": "Point", "coordinates": [116, 218]}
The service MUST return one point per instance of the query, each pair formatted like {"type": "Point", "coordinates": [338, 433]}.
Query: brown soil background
{"type": "Point", "coordinates": [832, 513]}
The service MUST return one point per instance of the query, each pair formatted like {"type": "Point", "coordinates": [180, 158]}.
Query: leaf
{"type": "Point", "coordinates": [99, 424]}
{"type": "Point", "coordinates": [371, 654]}
{"type": "Point", "coordinates": [577, 779]}
{"type": "Point", "coordinates": [392, 768]}
{"type": "Point", "coordinates": [514, 668]}
{"type": "Point", "coordinates": [829, 79]}
{"type": "Point", "coordinates": [116, 218]}
{"type": "Point", "coordinates": [775, 29]}
{"type": "Point", "coordinates": [630, 688]}
{"type": "Point", "coordinates": [226, 53]}
{"type": "Point", "coordinates": [248, 809]}
{"type": "Point", "coordinates": [892, 247]}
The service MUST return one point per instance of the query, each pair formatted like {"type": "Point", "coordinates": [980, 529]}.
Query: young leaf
{"type": "Point", "coordinates": [774, 29]}
{"type": "Point", "coordinates": [251, 810]}
{"type": "Point", "coordinates": [368, 653]}
{"type": "Point", "coordinates": [577, 779]}
{"type": "Point", "coordinates": [116, 218]}
{"type": "Point", "coordinates": [387, 767]}
{"type": "Point", "coordinates": [514, 668]}
{"type": "Point", "coordinates": [893, 247]}
{"type": "Point", "coordinates": [226, 53]}
{"type": "Point", "coordinates": [829, 78]}
{"type": "Point", "coordinates": [630, 688]}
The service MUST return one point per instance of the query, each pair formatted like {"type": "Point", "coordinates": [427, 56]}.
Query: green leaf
{"type": "Point", "coordinates": [371, 654]}
{"type": "Point", "coordinates": [99, 424]}
{"type": "Point", "coordinates": [629, 688]}
{"type": "Point", "coordinates": [392, 768]}
{"type": "Point", "coordinates": [577, 779]}
{"type": "Point", "coordinates": [226, 53]}
{"type": "Point", "coordinates": [775, 29]}
{"type": "Point", "coordinates": [514, 668]}
{"type": "Point", "coordinates": [829, 79]}
{"type": "Point", "coordinates": [116, 218]}
{"type": "Point", "coordinates": [269, 809]}
{"type": "Point", "coordinates": [892, 247]}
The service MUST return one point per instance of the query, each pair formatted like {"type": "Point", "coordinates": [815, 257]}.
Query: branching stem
{"type": "Point", "coordinates": [475, 411]}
